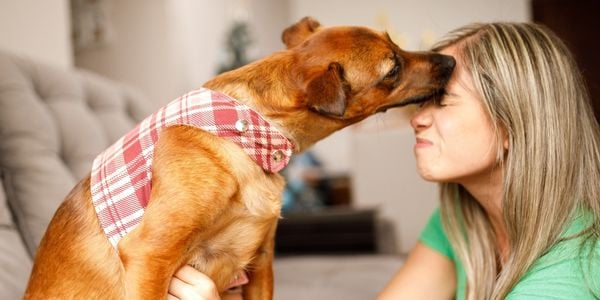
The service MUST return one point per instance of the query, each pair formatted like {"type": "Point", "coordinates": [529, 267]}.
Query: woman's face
{"type": "Point", "coordinates": [455, 138]}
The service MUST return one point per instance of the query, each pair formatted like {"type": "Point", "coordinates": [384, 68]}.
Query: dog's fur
{"type": "Point", "coordinates": [213, 207]}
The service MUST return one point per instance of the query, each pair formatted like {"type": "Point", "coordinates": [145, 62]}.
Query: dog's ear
{"type": "Point", "coordinates": [327, 92]}
{"type": "Point", "coordinates": [297, 33]}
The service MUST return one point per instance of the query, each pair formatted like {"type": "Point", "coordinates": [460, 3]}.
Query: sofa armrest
{"type": "Point", "coordinates": [15, 263]}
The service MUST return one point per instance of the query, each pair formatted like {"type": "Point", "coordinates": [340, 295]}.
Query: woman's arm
{"type": "Point", "coordinates": [426, 274]}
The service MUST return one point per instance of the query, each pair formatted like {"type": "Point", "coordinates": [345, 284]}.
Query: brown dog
{"type": "Point", "coordinates": [211, 205]}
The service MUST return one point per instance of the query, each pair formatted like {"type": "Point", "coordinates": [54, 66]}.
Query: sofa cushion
{"type": "Point", "coordinates": [53, 122]}
{"type": "Point", "coordinates": [15, 263]}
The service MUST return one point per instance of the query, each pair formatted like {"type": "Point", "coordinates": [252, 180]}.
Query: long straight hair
{"type": "Point", "coordinates": [531, 87]}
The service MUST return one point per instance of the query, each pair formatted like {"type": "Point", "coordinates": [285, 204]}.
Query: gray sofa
{"type": "Point", "coordinates": [52, 124]}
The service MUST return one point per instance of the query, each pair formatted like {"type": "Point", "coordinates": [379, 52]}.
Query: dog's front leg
{"type": "Point", "coordinates": [260, 286]}
{"type": "Point", "coordinates": [190, 189]}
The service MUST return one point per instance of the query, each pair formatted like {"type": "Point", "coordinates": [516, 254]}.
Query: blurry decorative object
{"type": "Point", "coordinates": [383, 21]}
{"type": "Point", "coordinates": [310, 188]}
{"type": "Point", "coordinates": [302, 176]}
{"type": "Point", "coordinates": [90, 26]}
{"type": "Point", "coordinates": [237, 45]}
{"type": "Point", "coordinates": [428, 38]}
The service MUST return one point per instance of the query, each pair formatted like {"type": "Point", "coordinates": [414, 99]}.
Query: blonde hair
{"type": "Point", "coordinates": [531, 87]}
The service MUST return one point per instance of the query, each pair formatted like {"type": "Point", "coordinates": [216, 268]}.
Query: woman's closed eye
{"type": "Point", "coordinates": [444, 98]}
{"type": "Point", "coordinates": [438, 101]}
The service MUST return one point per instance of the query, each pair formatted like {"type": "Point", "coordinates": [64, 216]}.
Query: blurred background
{"type": "Point", "coordinates": [355, 193]}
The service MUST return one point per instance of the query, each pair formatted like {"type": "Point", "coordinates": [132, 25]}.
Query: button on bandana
{"type": "Point", "coordinates": [121, 175]}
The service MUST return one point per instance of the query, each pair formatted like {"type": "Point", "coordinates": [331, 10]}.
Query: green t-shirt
{"type": "Point", "coordinates": [558, 274]}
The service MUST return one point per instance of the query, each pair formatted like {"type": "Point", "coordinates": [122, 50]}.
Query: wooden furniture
{"type": "Point", "coordinates": [577, 23]}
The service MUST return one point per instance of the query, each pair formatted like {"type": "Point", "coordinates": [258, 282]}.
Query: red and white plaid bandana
{"type": "Point", "coordinates": [121, 176]}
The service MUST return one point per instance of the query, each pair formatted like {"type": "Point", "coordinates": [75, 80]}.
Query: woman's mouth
{"type": "Point", "coordinates": [421, 143]}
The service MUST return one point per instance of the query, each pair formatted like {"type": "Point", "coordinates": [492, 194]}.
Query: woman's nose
{"type": "Point", "coordinates": [421, 118]}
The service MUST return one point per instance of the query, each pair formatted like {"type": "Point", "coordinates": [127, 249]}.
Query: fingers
{"type": "Point", "coordinates": [189, 284]}
{"type": "Point", "coordinates": [192, 276]}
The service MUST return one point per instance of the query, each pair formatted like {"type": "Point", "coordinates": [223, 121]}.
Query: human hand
{"type": "Point", "coordinates": [190, 284]}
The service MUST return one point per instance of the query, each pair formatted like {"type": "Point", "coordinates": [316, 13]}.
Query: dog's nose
{"type": "Point", "coordinates": [444, 63]}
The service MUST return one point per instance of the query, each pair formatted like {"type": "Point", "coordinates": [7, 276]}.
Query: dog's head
{"type": "Point", "coordinates": [349, 73]}
{"type": "Point", "coordinates": [331, 77]}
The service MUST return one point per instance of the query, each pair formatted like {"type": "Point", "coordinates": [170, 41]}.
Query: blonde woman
{"type": "Point", "coordinates": [516, 150]}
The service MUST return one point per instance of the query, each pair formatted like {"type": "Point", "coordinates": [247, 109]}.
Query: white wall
{"type": "Point", "coordinates": [411, 20]}
{"type": "Point", "coordinates": [167, 47]}
{"type": "Point", "coordinates": [140, 51]}
{"type": "Point", "coordinates": [37, 29]}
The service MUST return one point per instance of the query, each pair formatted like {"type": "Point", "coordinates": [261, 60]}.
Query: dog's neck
{"type": "Point", "coordinates": [272, 99]}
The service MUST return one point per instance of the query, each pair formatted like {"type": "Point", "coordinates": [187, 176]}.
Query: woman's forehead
{"type": "Point", "coordinates": [460, 78]}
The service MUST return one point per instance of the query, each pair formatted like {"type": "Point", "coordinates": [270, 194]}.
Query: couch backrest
{"type": "Point", "coordinates": [53, 123]}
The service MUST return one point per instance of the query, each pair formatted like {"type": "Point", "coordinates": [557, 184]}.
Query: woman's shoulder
{"type": "Point", "coordinates": [561, 276]}
{"type": "Point", "coordinates": [569, 270]}
{"type": "Point", "coordinates": [434, 236]}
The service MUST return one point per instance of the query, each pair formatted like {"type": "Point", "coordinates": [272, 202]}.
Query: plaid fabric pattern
{"type": "Point", "coordinates": [121, 176]}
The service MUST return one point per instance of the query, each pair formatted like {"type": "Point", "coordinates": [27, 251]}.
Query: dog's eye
{"type": "Point", "coordinates": [393, 72]}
